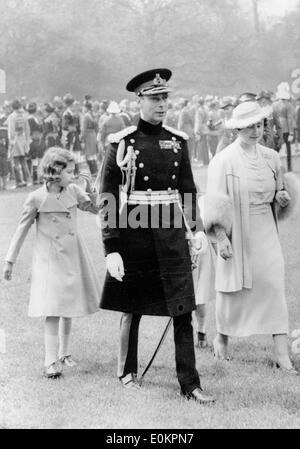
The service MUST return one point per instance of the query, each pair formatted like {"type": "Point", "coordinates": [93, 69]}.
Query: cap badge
{"type": "Point", "coordinates": [158, 80]}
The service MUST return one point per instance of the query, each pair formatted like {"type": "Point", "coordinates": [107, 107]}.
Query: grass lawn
{"type": "Point", "coordinates": [250, 392]}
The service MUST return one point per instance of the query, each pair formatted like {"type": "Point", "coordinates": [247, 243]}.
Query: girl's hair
{"type": "Point", "coordinates": [53, 162]}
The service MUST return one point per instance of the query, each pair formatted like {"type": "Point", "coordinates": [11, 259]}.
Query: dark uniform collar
{"type": "Point", "coordinates": [148, 128]}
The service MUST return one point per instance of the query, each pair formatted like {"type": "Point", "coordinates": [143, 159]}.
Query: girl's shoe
{"type": "Point", "coordinates": [201, 340]}
{"type": "Point", "coordinates": [68, 361]}
{"type": "Point", "coordinates": [53, 371]}
{"type": "Point", "coordinates": [220, 351]}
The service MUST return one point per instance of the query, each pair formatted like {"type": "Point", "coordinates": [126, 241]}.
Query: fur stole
{"type": "Point", "coordinates": [216, 209]}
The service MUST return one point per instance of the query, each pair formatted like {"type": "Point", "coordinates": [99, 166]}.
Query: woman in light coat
{"type": "Point", "coordinates": [64, 283]}
{"type": "Point", "coordinates": [250, 266]}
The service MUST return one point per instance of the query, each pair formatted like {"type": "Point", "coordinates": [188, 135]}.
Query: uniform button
{"type": "Point", "coordinates": [137, 152]}
{"type": "Point", "coordinates": [169, 189]}
{"type": "Point", "coordinates": [146, 178]}
{"type": "Point", "coordinates": [132, 141]}
{"type": "Point", "coordinates": [174, 139]}
{"type": "Point", "coordinates": [176, 164]}
{"type": "Point", "coordinates": [175, 150]}
{"type": "Point", "coordinates": [173, 177]}
{"type": "Point", "coordinates": [54, 219]}
{"type": "Point", "coordinates": [141, 165]}
{"type": "Point", "coordinates": [149, 190]}
{"type": "Point", "coordinates": [57, 237]}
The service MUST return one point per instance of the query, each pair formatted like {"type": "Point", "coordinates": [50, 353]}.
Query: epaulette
{"type": "Point", "coordinates": [177, 132]}
{"type": "Point", "coordinates": [117, 137]}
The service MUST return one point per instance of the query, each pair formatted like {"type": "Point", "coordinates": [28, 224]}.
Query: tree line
{"type": "Point", "coordinates": [93, 47]}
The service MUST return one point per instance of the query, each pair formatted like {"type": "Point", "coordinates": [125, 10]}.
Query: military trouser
{"type": "Point", "coordinates": [187, 374]}
{"type": "Point", "coordinates": [288, 151]}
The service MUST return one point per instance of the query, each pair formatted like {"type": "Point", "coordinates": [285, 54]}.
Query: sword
{"type": "Point", "coordinates": [162, 339]}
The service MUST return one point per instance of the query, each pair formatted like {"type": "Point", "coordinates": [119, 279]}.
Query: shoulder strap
{"type": "Point", "coordinates": [117, 137]}
{"type": "Point", "coordinates": [176, 132]}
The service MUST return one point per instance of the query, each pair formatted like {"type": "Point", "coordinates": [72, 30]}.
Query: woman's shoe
{"type": "Point", "coordinates": [290, 370]}
{"type": "Point", "coordinates": [68, 361]}
{"type": "Point", "coordinates": [53, 371]}
{"type": "Point", "coordinates": [201, 340]}
{"type": "Point", "coordinates": [220, 351]}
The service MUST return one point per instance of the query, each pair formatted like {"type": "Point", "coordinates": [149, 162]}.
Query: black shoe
{"type": "Point", "coordinates": [201, 340]}
{"type": "Point", "coordinates": [200, 397]}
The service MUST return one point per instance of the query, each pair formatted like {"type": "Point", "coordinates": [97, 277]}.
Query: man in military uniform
{"type": "Point", "coordinates": [71, 130]}
{"type": "Point", "coordinates": [272, 135]}
{"type": "Point", "coordinates": [147, 254]}
{"type": "Point", "coordinates": [52, 127]}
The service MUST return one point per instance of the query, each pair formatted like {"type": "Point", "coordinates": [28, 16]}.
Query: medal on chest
{"type": "Point", "coordinates": [170, 144]}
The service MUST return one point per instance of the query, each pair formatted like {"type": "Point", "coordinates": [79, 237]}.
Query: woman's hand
{"type": "Point", "coordinates": [115, 266]}
{"type": "Point", "coordinates": [7, 271]}
{"type": "Point", "coordinates": [283, 198]}
{"type": "Point", "coordinates": [224, 245]}
{"type": "Point", "coordinates": [225, 248]}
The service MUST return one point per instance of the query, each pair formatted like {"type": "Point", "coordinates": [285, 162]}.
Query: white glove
{"type": "Point", "coordinates": [115, 266]}
{"type": "Point", "coordinates": [291, 138]}
{"type": "Point", "coordinates": [283, 198]}
{"type": "Point", "coordinates": [199, 243]}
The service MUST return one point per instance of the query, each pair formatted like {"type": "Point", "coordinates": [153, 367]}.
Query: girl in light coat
{"type": "Point", "coordinates": [64, 282]}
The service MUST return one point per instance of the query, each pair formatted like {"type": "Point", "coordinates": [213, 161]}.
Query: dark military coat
{"type": "Point", "coordinates": [158, 278]}
{"type": "Point", "coordinates": [52, 130]}
{"type": "Point", "coordinates": [37, 144]}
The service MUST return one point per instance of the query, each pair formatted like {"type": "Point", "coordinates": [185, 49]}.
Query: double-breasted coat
{"type": "Point", "coordinates": [64, 281]}
{"type": "Point", "coordinates": [158, 277]}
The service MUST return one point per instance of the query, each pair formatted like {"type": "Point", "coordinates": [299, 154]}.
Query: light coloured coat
{"type": "Point", "coordinates": [227, 176]}
{"type": "Point", "coordinates": [64, 281]}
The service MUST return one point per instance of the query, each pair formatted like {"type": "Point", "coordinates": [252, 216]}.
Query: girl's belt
{"type": "Point", "coordinates": [153, 197]}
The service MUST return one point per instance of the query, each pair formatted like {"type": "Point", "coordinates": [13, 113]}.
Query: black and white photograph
{"type": "Point", "coordinates": [149, 217]}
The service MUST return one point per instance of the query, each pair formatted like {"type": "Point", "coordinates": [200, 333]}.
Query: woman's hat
{"type": "Point", "coordinates": [247, 96]}
{"type": "Point", "coordinates": [113, 108]}
{"type": "Point", "coordinates": [283, 91]}
{"type": "Point", "coordinates": [247, 114]}
{"type": "Point", "coordinates": [226, 102]}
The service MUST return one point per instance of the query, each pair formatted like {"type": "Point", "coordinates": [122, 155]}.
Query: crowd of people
{"type": "Point", "coordinates": [27, 129]}
{"type": "Point", "coordinates": [231, 251]}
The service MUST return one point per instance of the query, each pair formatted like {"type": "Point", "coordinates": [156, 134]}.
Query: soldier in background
{"type": "Point", "coordinates": [71, 129]}
{"type": "Point", "coordinates": [37, 145]}
{"type": "Point", "coordinates": [201, 130]}
{"type": "Point", "coordinates": [112, 124]}
{"type": "Point", "coordinates": [124, 112]}
{"type": "Point", "coordinates": [186, 124]}
{"type": "Point", "coordinates": [272, 136]}
{"type": "Point", "coordinates": [89, 137]}
{"type": "Point", "coordinates": [52, 127]}
{"type": "Point", "coordinates": [285, 112]}
{"type": "Point", "coordinates": [19, 140]}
